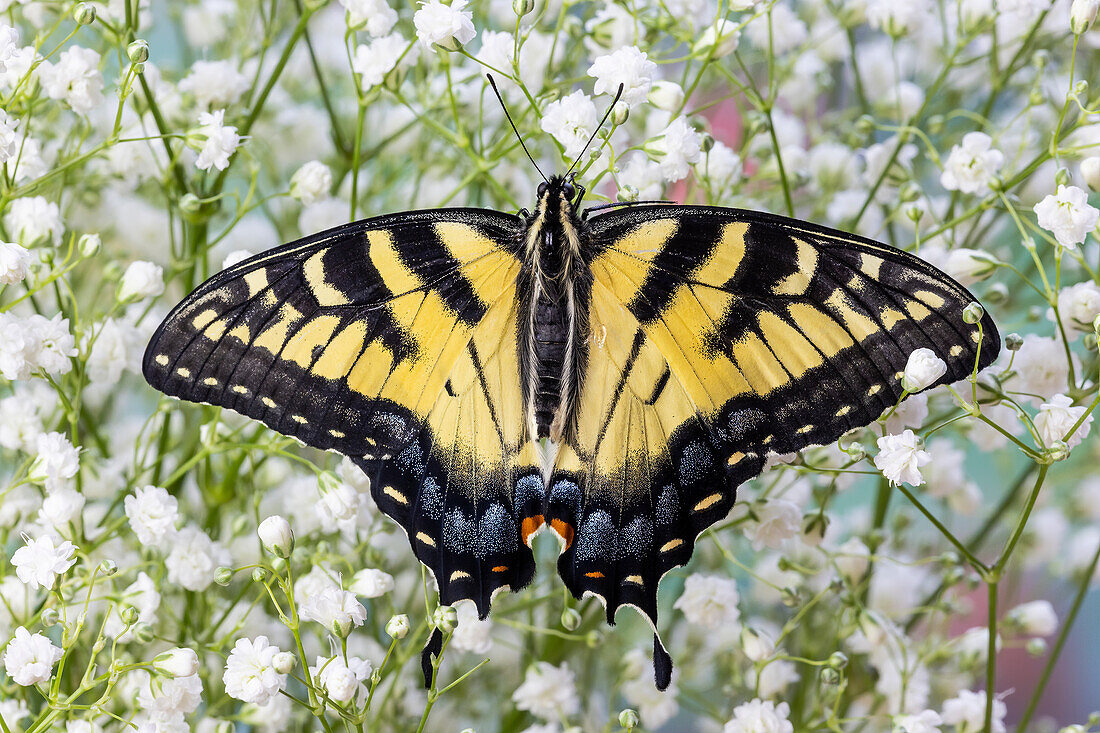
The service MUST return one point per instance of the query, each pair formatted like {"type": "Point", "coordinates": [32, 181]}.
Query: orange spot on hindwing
{"type": "Point", "coordinates": [529, 526]}
{"type": "Point", "coordinates": [564, 530]}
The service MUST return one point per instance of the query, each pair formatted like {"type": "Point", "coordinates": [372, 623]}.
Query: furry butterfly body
{"type": "Point", "coordinates": [612, 376]}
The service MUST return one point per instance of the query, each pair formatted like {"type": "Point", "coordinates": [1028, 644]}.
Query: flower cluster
{"type": "Point", "coordinates": [171, 566]}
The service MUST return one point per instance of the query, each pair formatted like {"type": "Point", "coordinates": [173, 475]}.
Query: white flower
{"type": "Point", "coordinates": [398, 626]}
{"type": "Point", "coordinates": [922, 370]}
{"type": "Point", "coordinates": [971, 166]}
{"type": "Point", "coordinates": [1068, 215]}
{"type": "Point", "coordinates": [666, 95]}
{"type": "Point", "coordinates": [333, 608]}
{"type": "Point", "coordinates": [719, 39]}
{"type": "Point", "coordinates": [142, 595]}
{"type": "Point", "coordinates": [214, 83]}
{"type": "Point", "coordinates": [777, 520]}
{"type": "Point", "coordinates": [61, 506]}
{"type": "Point", "coordinates": [1090, 172]}
{"type": "Point", "coordinates": [118, 346]}
{"type": "Point", "coordinates": [548, 692]}
{"type": "Point", "coordinates": [1036, 618]}
{"type": "Point", "coordinates": [654, 707]}
{"type": "Point", "coordinates": [757, 645]}
{"type": "Point", "coordinates": [276, 535]}
{"type": "Point", "coordinates": [40, 561]}
{"type": "Point", "coordinates": [342, 681]}
{"type": "Point", "coordinates": [926, 721]}
{"type": "Point", "coordinates": [1082, 13]}
{"type": "Point", "coordinates": [164, 702]}
{"type": "Point", "coordinates": [968, 266]}
{"type": "Point", "coordinates": [311, 182]}
{"type": "Point", "coordinates": [784, 32]}
{"type": "Point", "coordinates": [250, 674]}
{"type": "Point", "coordinates": [194, 558]}
{"type": "Point", "coordinates": [628, 66]}
{"type": "Point", "coordinates": [721, 165]}
{"type": "Point", "coordinates": [33, 218]}
{"type": "Point", "coordinates": [852, 559]}
{"type": "Point", "coordinates": [643, 174]}
{"type": "Point", "coordinates": [371, 583]}
{"type": "Point", "coordinates": [57, 461]}
{"type": "Point", "coordinates": [611, 27]}
{"type": "Point", "coordinates": [219, 141]}
{"type": "Point", "coordinates": [571, 120]}
{"type": "Point", "coordinates": [75, 78]}
{"type": "Point", "coordinates": [153, 515]}
{"type": "Point", "coordinates": [55, 343]}
{"type": "Point", "coordinates": [760, 716]}
{"type": "Point", "coordinates": [9, 141]}
{"type": "Point", "coordinates": [374, 16]}
{"type": "Point", "coordinates": [709, 601]}
{"type": "Point", "coordinates": [677, 148]}
{"type": "Point", "coordinates": [177, 662]}
{"type": "Point", "coordinates": [472, 634]}
{"type": "Point", "coordinates": [207, 22]}
{"type": "Point", "coordinates": [1056, 417]}
{"type": "Point", "coordinates": [833, 166]}
{"type": "Point", "coordinates": [967, 710]}
{"type": "Point", "coordinates": [900, 458]}
{"type": "Point", "coordinates": [29, 659]}
{"type": "Point", "coordinates": [896, 18]}
{"type": "Point", "coordinates": [1078, 305]}
{"type": "Point", "coordinates": [372, 62]}
{"type": "Point", "coordinates": [14, 261]}
{"type": "Point", "coordinates": [141, 280]}
{"type": "Point", "coordinates": [1040, 366]}
{"type": "Point", "coordinates": [446, 26]}
{"type": "Point", "coordinates": [9, 43]}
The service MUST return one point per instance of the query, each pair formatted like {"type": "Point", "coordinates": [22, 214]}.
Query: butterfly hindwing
{"type": "Point", "coordinates": [719, 336]}
{"type": "Point", "coordinates": [392, 341]}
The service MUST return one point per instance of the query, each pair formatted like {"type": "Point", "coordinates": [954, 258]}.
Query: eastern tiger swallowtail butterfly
{"type": "Point", "coordinates": [612, 375]}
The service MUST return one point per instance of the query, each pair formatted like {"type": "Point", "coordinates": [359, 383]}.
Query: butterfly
{"type": "Point", "coordinates": [609, 375]}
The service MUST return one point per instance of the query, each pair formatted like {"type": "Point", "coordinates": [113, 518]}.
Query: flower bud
{"type": "Point", "coordinates": [629, 719]}
{"type": "Point", "coordinates": [178, 662]}
{"type": "Point", "coordinates": [922, 370]}
{"type": "Point", "coordinates": [259, 575]}
{"type": "Point", "coordinates": [143, 632]}
{"type": "Point", "coordinates": [284, 662]}
{"type": "Point", "coordinates": [444, 618]}
{"type": "Point", "coordinates": [107, 568]}
{"type": "Point", "coordinates": [758, 645]}
{"type": "Point", "coordinates": [1061, 177]}
{"type": "Point", "coordinates": [620, 113]}
{"type": "Point", "coordinates": [717, 40]}
{"type": "Point", "coordinates": [50, 617]}
{"type": "Point", "coordinates": [570, 619]}
{"type": "Point", "coordinates": [522, 7]}
{"type": "Point", "coordinates": [1082, 13]}
{"type": "Point", "coordinates": [84, 13]}
{"type": "Point", "coordinates": [830, 676]}
{"type": "Point", "coordinates": [1014, 341]}
{"type": "Point", "coordinates": [973, 313]}
{"type": "Point", "coordinates": [1037, 647]}
{"type": "Point", "coordinates": [223, 575]}
{"type": "Point", "coordinates": [837, 660]}
{"type": "Point", "coordinates": [627, 193]}
{"type": "Point", "coordinates": [190, 205]}
{"type": "Point", "coordinates": [138, 51]}
{"type": "Point", "coordinates": [1058, 451]}
{"type": "Point", "coordinates": [666, 95]}
{"type": "Point", "coordinates": [398, 626]}
{"type": "Point", "coordinates": [129, 615]}
{"type": "Point", "coordinates": [141, 280]}
{"type": "Point", "coordinates": [276, 536]}
{"type": "Point", "coordinates": [1090, 171]}
{"type": "Point", "coordinates": [88, 244]}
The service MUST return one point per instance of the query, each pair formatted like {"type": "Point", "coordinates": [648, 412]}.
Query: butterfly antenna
{"type": "Point", "coordinates": [598, 128]}
{"type": "Point", "coordinates": [519, 137]}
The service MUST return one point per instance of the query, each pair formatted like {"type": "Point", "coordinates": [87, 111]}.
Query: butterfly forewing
{"type": "Point", "coordinates": [392, 341]}
{"type": "Point", "coordinates": [719, 336]}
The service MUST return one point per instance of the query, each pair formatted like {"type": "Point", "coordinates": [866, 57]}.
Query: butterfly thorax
{"type": "Point", "coordinates": [554, 286]}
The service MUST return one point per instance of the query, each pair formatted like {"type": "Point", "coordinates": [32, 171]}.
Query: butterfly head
{"type": "Point", "coordinates": [559, 193]}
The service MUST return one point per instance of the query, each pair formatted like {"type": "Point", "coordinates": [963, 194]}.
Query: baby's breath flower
{"type": "Point", "coordinates": [250, 673]}
{"type": "Point", "coordinates": [398, 626]}
{"type": "Point", "coordinates": [29, 658]}
{"type": "Point", "coordinates": [900, 458]}
{"type": "Point", "coordinates": [342, 681]}
{"type": "Point", "coordinates": [676, 149]}
{"type": "Point", "coordinates": [922, 370]}
{"type": "Point", "coordinates": [32, 219]}
{"type": "Point", "coordinates": [967, 711]}
{"type": "Point", "coordinates": [40, 561]}
{"type": "Point", "coordinates": [757, 645]}
{"type": "Point", "coordinates": [777, 520]}
{"type": "Point", "coordinates": [1040, 366]}
{"type": "Point", "coordinates": [57, 461]}
{"type": "Point", "coordinates": [1090, 172]}
{"type": "Point", "coordinates": [896, 18]}
{"type": "Point", "coordinates": [719, 39]}
{"type": "Point", "coordinates": [177, 662]}
{"type": "Point", "coordinates": [61, 506]}
{"type": "Point", "coordinates": [472, 634]}
{"type": "Point", "coordinates": [1035, 618]}
{"type": "Point", "coordinates": [153, 515]}
{"type": "Point", "coordinates": [709, 601]}
{"type": "Point", "coordinates": [376, 17]}
{"type": "Point", "coordinates": [219, 141]}
{"type": "Point", "coordinates": [571, 121]}
{"type": "Point", "coordinates": [446, 26]}
{"type": "Point", "coordinates": [972, 165]}
{"type": "Point", "coordinates": [335, 609]}
{"type": "Point", "coordinates": [1056, 417]}
{"type": "Point", "coordinates": [760, 716]}
{"type": "Point", "coordinates": [371, 583]}
{"type": "Point", "coordinates": [926, 721]}
{"type": "Point", "coordinates": [628, 66]}
{"type": "Point", "coordinates": [14, 262]}
{"type": "Point", "coordinates": [1067, 215]}
{"type": "Point", "coordinates": [372, 62]}
{"type": "Point", "coordinates": [193, 558]}
{"type": "Point", "coordinates": [852, 559]}
{"type": "Point", "coordinates": [548, 692]}
{"type": "Point", "coordinates": [141, 280]}
{"type": "Point", "coordinates": [276, 536]}
{"type": "Point", "coordinates": [1082, 13]}
{"type": "Point", "coordinates": [75, 78]}
{"type": "Point", "coordinates": [214, 83]}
